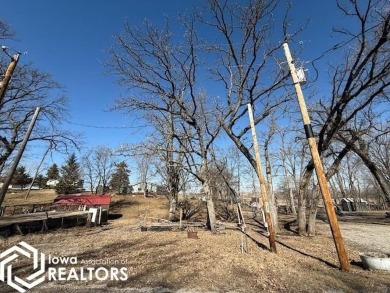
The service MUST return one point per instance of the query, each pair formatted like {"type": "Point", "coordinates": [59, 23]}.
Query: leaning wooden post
{"type": "Point", "coordinates": [322, 181]}
{"type": "Point", "coordinates": [181, 217]}
{"type": "Point", "coordinates": [263, 189]}
{"type": "Point", "coordinates": [15, 163]}
{"type": "Point", "coordinates": [7, 76]}
{"type": "Point", "coordinates": [37, 171]}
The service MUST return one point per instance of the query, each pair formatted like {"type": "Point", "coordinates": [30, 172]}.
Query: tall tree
{"type": "Point", "coordinates": [98, 165]}
{"type": "Point", "coordinates": [53, 173]}
{"type": "Point", "coordinates": [144, 163]}
{"type": "Point", "coordinates": [164, 73]}
{"type": "Point", "coordinates": [70, 181]}
{"type": "Point", "coordinates": [21, 177]}
{"type": "Point", "coordinates": [243, 66]}
{"type": "Point", "coordinates": [360, 80]}
{"type": "Point", "coordinates": [41, 181]}
{"type": "Point", "coordinates": [120, 178]}
{"type": "Point", "coordinates": [371, 146]}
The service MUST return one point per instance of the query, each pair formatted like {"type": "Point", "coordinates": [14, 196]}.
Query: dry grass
{"type": "Point", "coordinates": [212, 263]}
{"type": "Point", "coordinates": [17, 197]}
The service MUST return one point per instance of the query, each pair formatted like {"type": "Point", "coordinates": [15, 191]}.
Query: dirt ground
{"type": "Point", "coordinates": [172, 262]}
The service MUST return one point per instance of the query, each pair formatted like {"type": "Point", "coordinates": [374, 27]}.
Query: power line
{"type": "Point", "coordinates": [105, 127]}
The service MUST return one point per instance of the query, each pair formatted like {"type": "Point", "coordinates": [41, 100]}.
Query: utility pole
{"type": "Point", "coordinates": [11, 173]}
{"type": "Point", "coordinates": [39, 166]}
{"type": "Point", "coordinates": [322, 181]}
{"type": "Point", "coordinates": [8, 74]}
{"type": "Point", "coordinates": [263, 189]}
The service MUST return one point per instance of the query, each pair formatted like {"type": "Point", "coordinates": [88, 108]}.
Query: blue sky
{"type": "Point", "coordinates": [69, 38]}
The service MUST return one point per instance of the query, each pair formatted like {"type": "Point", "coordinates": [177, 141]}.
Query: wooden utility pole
{"type": "Point", "coordinates": [263, 189]}
{"type": "Point", "coordinates": [7, 77]}
{"type": "Point", "coordinates": [37, 171]}
{"type": "Point", "coordinates": [322, 181]}
{"type": "Point", "coordinates": [11, 173]}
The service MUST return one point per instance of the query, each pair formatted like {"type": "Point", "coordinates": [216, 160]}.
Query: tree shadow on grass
{"type": "Point", "coordinates": [261, 230]}
{"type": "Point", "coordinates": [123, 203]}
{"type": "Point", "coordinates": [306, 254]}
{"type": "Point", "coordinates": [287, 227]}
{"type": "Point", "coordinates": [258, 243]}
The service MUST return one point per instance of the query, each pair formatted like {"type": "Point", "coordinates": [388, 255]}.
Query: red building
{"type": "Point", "coordinates": [83, 201]}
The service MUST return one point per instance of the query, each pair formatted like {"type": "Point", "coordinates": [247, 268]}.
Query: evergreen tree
{"type": "Point", "coordinates": [70, 180]}
{"type": "Point", "coordinates": [41, 181]}
{"type": "Point", "coordinates": [120, 179]}
{"type": "Point", "coordinates": [53, 173]}
{"type": "Point", "coordinates": [21, 177]}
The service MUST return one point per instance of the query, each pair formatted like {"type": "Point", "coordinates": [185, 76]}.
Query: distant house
{"type": "Point", "coordinates": [52, 182]}
{"type": "Point", "coordinates": [352, 205]}
{"type": "Point", "coordinates": [346, 205]}
{"type": "Point", "coordinates": [21, 187]}
{"type": "Point", "coordinates": [150, 188]}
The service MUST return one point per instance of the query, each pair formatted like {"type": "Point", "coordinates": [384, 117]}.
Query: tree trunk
{"type": "Point", "coordinates": [145, 188]}
{"type": "Point", "coordinates": [172, 208]}
{"type": "Point", "coordinates": [173, 192]}
{"type": "Point", "coordinates": [292, 202]}
{"type": "Point", "coordinates": [302, 197]}
{"type": "Point", "coordinates": [291, 194]}
{"type": "Point", "coordinates": [211, 218]}
{"type": "Point", "coordinates": [311, 225]}
{"type": "Point", "coordinates": [301, 213]}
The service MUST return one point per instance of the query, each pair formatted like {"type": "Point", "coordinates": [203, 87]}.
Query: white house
{"type": "Point", "coordinates": [52, 182]}
{"type": "Point", "coordinates": [149, 188]}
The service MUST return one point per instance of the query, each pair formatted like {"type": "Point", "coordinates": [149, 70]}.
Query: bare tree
{"type": "Point", "coordinates": [244, 55]}
{"type": "Point", "coordinates": [144, 162]}
{"type": "Point", "coordinates": [89, 171]}
{"type": "Point", "coordinates": [28, 89]}
{"type": "Point", "coordinates": [360, 80]}
{"type": "Point", "coordinates": [199, 129]}
{"type": "Point", "coordinates": [289, 177]}
{"type": "Point", "coordinates": [293, 157]}
{"type": "Point", "coordinates": [98, 165]}
{"type": "Point", "coordinates": [370, 145]}
{"type": "Point", "coordinates": [159, 155]}
{"type": "Point", "coordinates": [349, 175]}
{"type": "Point", "coordinates": [269, 175]}
{"type": "Point", "coordinates": [6, 32]}
{"type": "Point", "coordinates": [380, 152]}
{"type": "Point", "coordinates": [168, 164]}
{"type": "Point", "coordinates": [164, 72]}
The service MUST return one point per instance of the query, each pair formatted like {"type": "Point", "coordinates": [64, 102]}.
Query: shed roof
{"type": "Point", "coordinates": [86, 199]}
{"type": "Point", "coordinates": [350, 199]}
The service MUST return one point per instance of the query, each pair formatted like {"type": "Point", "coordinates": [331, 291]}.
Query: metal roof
{"type": "Point", "coordinates": [86, 199]}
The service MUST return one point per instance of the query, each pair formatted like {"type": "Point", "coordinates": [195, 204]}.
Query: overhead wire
{"type": "Point", "coordinates": [105, 127]}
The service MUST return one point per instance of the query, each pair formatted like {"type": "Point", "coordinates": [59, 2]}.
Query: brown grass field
{"type": "Point", "coordinates": [170, 262]}
{"type": "Point", "coordinates": [17, 197]}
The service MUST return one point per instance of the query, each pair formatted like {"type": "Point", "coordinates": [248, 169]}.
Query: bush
{"type": "Point", "coordinates": [225, 211]}
{"type": "Point", "coordinates": [189, 207]}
